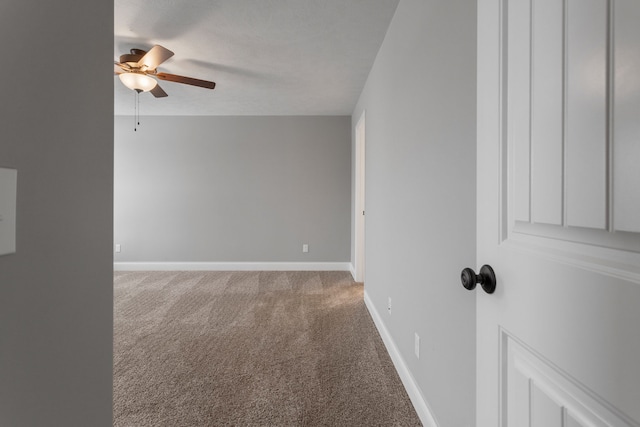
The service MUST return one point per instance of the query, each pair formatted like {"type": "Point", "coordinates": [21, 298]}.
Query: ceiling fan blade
{"type": "Point", "coordinates": [186, 80]}
{"type": "Point", "coordinates": [156, 56]}
{"type": "Point", "coordinates": [117, 69]}
{"type": "Point", "coordinates": [158, 92]}
{"type": "Point", "coordinates": [120, 67]}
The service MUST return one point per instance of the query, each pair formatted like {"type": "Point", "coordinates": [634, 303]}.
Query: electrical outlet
{"type": "Point", "coordinates": [389, 305]}
{"type": "Point", "coordinates": [118, 248]}
{"type": "Point", "coordinates": [416, 345]}
{"type": "Point", "coordinates": [305, 248]}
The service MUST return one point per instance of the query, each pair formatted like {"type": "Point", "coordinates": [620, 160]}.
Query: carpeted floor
{"type": "Point", "coordinates": [250, 349]}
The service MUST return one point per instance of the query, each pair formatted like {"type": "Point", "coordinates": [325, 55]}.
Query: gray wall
{"type": "Point", "coordinates": [420, 195]}
{"type": "Point", "coordinates": [56, 293]}
{"type": "Point", "coordinates": [233, 189]}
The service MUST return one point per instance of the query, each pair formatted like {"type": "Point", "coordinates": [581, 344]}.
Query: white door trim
{"type": "Point", "coordinates": [359, 204]}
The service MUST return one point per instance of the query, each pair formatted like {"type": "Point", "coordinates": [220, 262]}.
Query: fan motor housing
{"type": "Point", "coordinates": [133, 57]}
{"type": "Point", "coordinates": [128, 58]}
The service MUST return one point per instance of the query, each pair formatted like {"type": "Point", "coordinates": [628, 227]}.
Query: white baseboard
{"type": "Point", "coordinates": [352, 269]}
{"type": "Point", "coordinates": [231, 266]}
{"type": "Point", "coordinates": [413, 390]}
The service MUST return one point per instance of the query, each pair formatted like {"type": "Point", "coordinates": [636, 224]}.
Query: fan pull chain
{"type": "Point", "coordinates": [136, 108]}
{"type": "Point", "coordinates": [135, 112]}
{"type": "Point", "coordinates": [138, 97]}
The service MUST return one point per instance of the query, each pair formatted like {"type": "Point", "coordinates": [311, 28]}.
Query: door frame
{"type": "Point", "coordinates": [359, 202]}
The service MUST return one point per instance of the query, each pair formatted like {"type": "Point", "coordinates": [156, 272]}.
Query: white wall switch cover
{"type": "Point", "coordinates": [305, 248]}
{"type": "Point", "coordinates": [8, 194]}
{"type": "Point", "coordinates": [118, 248]}
{"type": "Point", "coordinates": [416, 345]}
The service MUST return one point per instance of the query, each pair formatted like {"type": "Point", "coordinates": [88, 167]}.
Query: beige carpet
{"type": "Point", "coordinates": [250, 349]}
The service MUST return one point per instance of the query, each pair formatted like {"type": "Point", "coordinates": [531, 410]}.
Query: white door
{"type": "Point", "coordinates": [558, 343]}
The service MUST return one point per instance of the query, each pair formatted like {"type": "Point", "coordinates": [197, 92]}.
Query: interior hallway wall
{"type": "Point", "coordinates": [420, 103]}
{"type": "Point", "coordinates": [56, 292]}
{"type": "Point", "coordinates": [233, 189]}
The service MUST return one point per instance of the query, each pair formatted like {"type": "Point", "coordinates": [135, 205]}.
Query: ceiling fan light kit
{"type": "Point", "coordinates": [138, 81]}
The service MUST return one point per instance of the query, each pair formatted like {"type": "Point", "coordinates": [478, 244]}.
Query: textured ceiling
{"type": "Point", "coordinates": [268, 57]}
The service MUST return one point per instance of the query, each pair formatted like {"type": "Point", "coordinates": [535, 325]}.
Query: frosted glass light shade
{"type": "Point", "coordinates": [137, 81]}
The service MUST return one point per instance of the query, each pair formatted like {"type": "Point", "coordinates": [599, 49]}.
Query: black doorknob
{"type": "Point", "coordinates": [486, 279]}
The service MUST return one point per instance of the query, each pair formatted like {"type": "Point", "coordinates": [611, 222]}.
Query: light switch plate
{"type": "Point", "coordinates": [8, 193]}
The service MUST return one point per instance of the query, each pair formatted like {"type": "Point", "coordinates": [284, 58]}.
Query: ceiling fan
{"type": "Point", "coordinates": [136, 69]}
